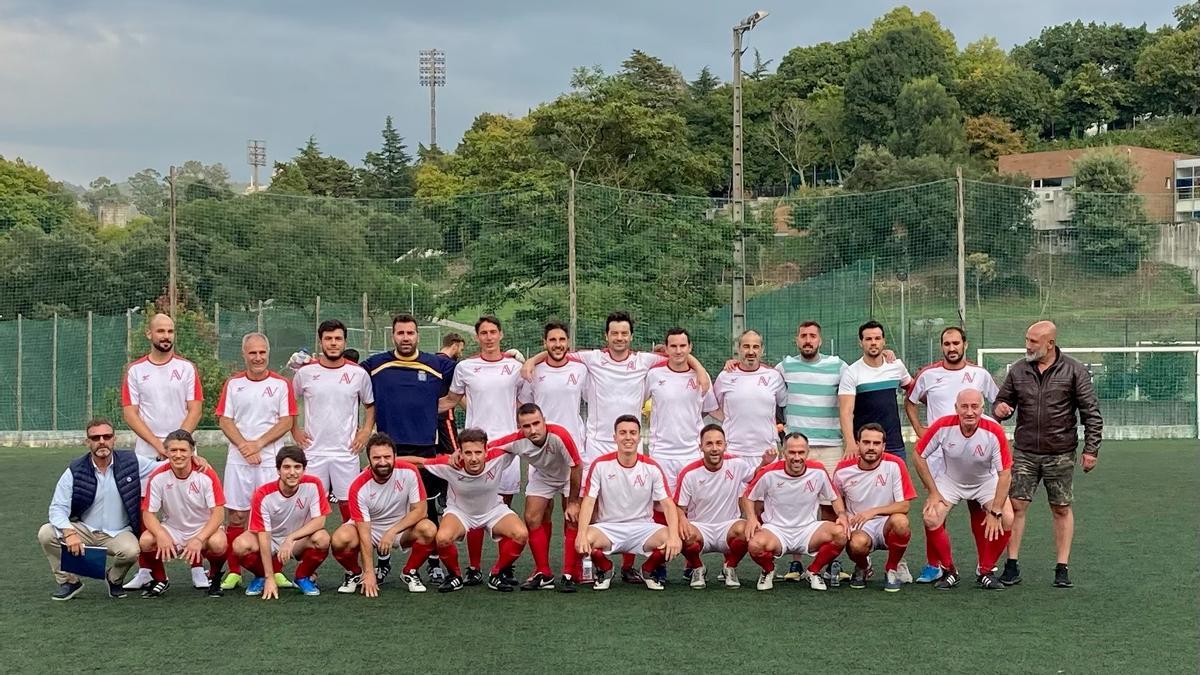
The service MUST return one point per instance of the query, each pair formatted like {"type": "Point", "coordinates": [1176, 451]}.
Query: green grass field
{"type": "Point", "coordinates": [1134, 607]}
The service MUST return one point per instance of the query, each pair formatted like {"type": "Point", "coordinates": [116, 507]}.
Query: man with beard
{"type": "Point", "coordinates": [161, 392]}
{"type": "Point", "coordinates": [867, 392]}
{"type": "Point", "coordinates": [750, 395]}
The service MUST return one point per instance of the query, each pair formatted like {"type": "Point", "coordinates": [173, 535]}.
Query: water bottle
{"type": "Point", "coordinates": [589, 574]}
{"type": "Point", "coordinates": [835, 571]}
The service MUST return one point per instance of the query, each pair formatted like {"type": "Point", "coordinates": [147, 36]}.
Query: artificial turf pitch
{"type": "Point", "coordinates": [1133, 608]}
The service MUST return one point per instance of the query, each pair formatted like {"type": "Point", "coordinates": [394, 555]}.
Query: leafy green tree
{"type": "Point", "coordinates": [1187, 15]}
{"type": "Point", "coordinates": [658, 85]}
{"type": "Point", "coordinates": [988, 82]}
{"type": "Point", "coordinates": [989, 137]}
{"type": "Point", "coordinates": [1089, 97]}
{"type": "Point", "coordinates": [1167, 73]}
{"type": "Point", "coordinates": [287, 179]}
{"type": "Point", "coordinates": [148, 192]}
{"type": "Point", "coordinates": [928, 121]}
{"type": "Point", "coordinates": [1112, 227]}
{"type": "Point", "coordinates": [326, 176]}
{"type": "Point", "coordinates": [29, 197]}
{"type": "Point", "coordinates": [704, 84]}
{"type": "Point", "coordinates": [387, 174]}
{"type": "Point", "coordinates": [803, 69]}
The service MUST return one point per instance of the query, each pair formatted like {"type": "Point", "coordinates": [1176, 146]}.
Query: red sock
{"type": "Point", "coordinates": [572, 564]}
{"type": "Point", "coordinates": [737, 551]}
{"type": "Point", "coordinates": [145, 560]}
{"type": "Point", "coordinates": [765, 560]}
{"type": "Point", "coordinates": [940, 541]}
{"type": "Point", "coordinates": [601, 561]}
{"type": "Point", "coordinates": [310, 560]}
{"type": "Point", "coordinates": [349, 559]}
{"type": "Point", "coordinates": [510, 550]}
{"type": "Point", "coordinates": [539, 547]}
{"type": "Point", "coordinates": [157, 572]}
{"type": "Point", "coordinates": [978, 518]}
{"type": "Point", "coordinates": [627, 561]}
{"type": "Point", "coordinates": [897, 544]}
{"type": "Point", "coordinates": [215, 563]}
{"type": "Point", "coordinates": [253, 562]}
{"type": "Point", "coordinates": [449, 557]}
{"type": "Point", "coordinates": [344, 509]}
{"type": "Point", "coordinates": [418, 556]}
{"type": "Point", "coordinates": [989, 551]}
{"type": "Point", "coordinates": [232, 532]}
{"type": "Point", "coordinates": [656, 558]}
{"type": "Point", "coordinates": [691, 553]}
{"type": "Point", "coordinates": [475, 548]}
{"type": "Point", "coordinates": [825, 555]}
{"type": "Point", "coordinates": [660, 517]}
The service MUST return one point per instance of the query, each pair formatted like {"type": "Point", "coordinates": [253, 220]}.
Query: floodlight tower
{"type": "Point", "coordinates": [432, 70]}
{"type": "Point", "coordinates": [256, 156]}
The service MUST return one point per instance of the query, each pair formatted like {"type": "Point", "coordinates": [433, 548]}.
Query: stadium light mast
{"type": "Point", "coordinates": [256, 156]}
{"type": "Point", "coordinates": [432, 72]}
{"type": "Point", "coordinates": [738, 313]}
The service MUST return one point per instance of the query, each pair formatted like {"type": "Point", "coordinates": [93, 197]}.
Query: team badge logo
{"type": "Point", "coordinates": [881, 480]}
{"type": "Point", "coordinates": [507, 369]}
{"type": "Point", "coordinates": [269, 392]}
{"type": "Point", "coordinates": [968, 377]}
{"type": "Point", "coordinates": [176, 375]}
{"type": "Point", "coordinates": [762, 381]}
{"type": "Point", "coordinates": [193, 488]}
{"type": "Point", "coordinates": [571, 379]}
{"type": "Point", "coordinates": [979, 450]}
{"type": "Point", "coordinates": [639, 481]}
{"type": "Point", "coordinates": [299, 503]}
{"type": "Point", "coordinates": [346, 379]}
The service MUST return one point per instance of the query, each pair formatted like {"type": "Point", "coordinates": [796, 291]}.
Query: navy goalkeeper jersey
{"type": "Point", "coordinates": [406, 394]}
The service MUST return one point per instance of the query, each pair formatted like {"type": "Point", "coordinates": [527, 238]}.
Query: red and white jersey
{"type": "Point", "coordinates": [749, 400]}
{"type": "Point", "coordinates": [331, 398]}
{"type": "Point", "coordinates": [625, 494]}
{"type": "Point", "coordinates": [791, 501]}
{"type": "Point", "coordinates": [553, 458]}
{"type": "Point", "coordinates": [614, 388]}
{"type": "Point", "coordinates": [558, 391]}
{"type": "Point", "coordinates": [385, 504]}
{"type": "Point", "coordinates": [491, 389]}
{"type": "Point", "coordinates": [712, 496]}
{"type": "Point", "coordinates": [937, 387]}
{"type": "Point", "coordinates": [255, 406]}
{"type": "Point", "coordinates": [271, 511]}
{"type": "Point", "coordinates": [970, 460]}
{"type": "Point", "coordinates": [474, 495]}
{"type": "Point", "coordinates": [864, 489]}
{"type": "Point", "coordinates": [677, 412]}
{"type": "Point", "coordinates": [161, 394]}
{"type": "Point", "coordinates": [183, 503]}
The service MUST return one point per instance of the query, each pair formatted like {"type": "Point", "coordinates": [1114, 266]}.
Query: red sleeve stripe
{"type": "Point", "coordinates": [905, 481]}
{"type": "Point", "coordinates": [996, 430]}
{"type": "Point", "coordinates": [356, 487]}
{"type": "Point", "coordinates": [220, 411]}
{"type": "Point", "coordinates": [257, 524]}
{"type": "Point", "coordinates": [686, 470]}
{"type": "Point", "coordinates": [565, 437]}
{"type": "Point", "coordinates": [494, 453]}
{"type": "Point", "coordinates": [940, 423]}
{"type": "Point", "coordinates": [146, 497]}
{"type": "Point", "coordinates": [321, 496]}
{"type": "Point", "coordinates": [291, 393]}
{"type": "Point", "coordinates": [776, 466]}
{"type": "Point", "coordinates": [506, 440]}
{"type": "Point", "coordinates": [592, 469]}
{"type": "Point", "coordinates": [440, 460]}
{"type": "Point", "coordinates": [405, 466]}
{"type": "Point", "coordinates": [218, 489]}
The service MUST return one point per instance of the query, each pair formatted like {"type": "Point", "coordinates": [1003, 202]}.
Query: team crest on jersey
{"type": "Point", "coordinates": [269, 392]}
{"type": "Point", "coordinates": [193, 488]}
{"type": "Point", "coordinates": [346, 379]}
{"type": "Point", "coordinates": [639, 481]}
{"type": "Point", "coordinates": [692, 383]}
{"type": "Point", "coordinates": [299, 503]}
{"type": "Point", "coordinates": [631, 366]}
{"type": "Point", "coordinates": [979, 450]}
{"type": "Point", "coordinates": [176, 375]}
{"type": "Point", "coordinates": [506, 369]}
{"type": "Point", "coordinates": [968, 377]}
{"type": "Point", "coordinates": [491, 475]}
{"type": "Point", "coordinates": [810, 486]}
{"type": "Point", "coordinates": [571, 379]}
{"type": "Point", "coordinates": [762, 381]}
{"type": "Point", "coordinates": [881, 480]}
{"type": "Point", "coordinates": [728, 474]}
{"type": "Point", "coordinates": [399, 487]}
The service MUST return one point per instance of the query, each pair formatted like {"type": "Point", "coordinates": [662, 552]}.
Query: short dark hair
{"type": "Point", "coordinates": [555, 325]}
{"type": "Point", "coordinates": [806, 324]}
{"type": "Point", "coordinates": [292, 452]}
{"type": "Point", "coordinates": [380, 438]}
{"type": "Point", "coordinates": [678, 331]}
{"type": "Point", "coordinates": [869, 325]}
{"type": "Point", "coordinates": [961, 333]}
{"type": "Point", "coordinates": [351, 354]}
{"type": "Point", "coordinates": [472, 436]}
{"type": "Point", "coordinates": [623, 418]}
{"type": "Point", "coordinates": [869, 426]}
{"type": "Point", "coordinates": [794, 434]}
{"type": "Point", "coordinates": [617, 317]}
{"type": "Point", "coordinates": [97, 422]}
{"type": "Point", "coordinates": [488, 318]}
{"type": "Point", "coordinates": [330, 325]}
{"type": "Point", "coordinates": [404, 318]}
{"type": "Point", "coordinates": [712, 427]}
{"type": "Point", "coordinates": [529, 409]}
{"type": "Point", "coordinates": [450, 339]}
{"type": "Point", "coordinates": [180, 435]}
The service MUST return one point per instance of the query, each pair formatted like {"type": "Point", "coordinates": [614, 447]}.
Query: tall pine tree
{"type": "Point", "coordinates": [387, 174]}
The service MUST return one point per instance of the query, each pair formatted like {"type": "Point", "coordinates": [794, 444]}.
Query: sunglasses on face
{"type": "Point", "coordinates": [100, 437]}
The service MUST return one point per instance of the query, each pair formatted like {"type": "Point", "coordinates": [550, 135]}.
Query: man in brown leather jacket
{"type": "Point", "coordinates": [1047, 389]}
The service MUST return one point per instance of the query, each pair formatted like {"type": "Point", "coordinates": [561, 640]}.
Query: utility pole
{"type": "Point", "coordinates": [432, 72]}
{"type": "Point", "coordinates": [738, 308]}
{"type": "Point", "coordinates": [256, 156]}
{"type": "Point", "coordinates": [172, 278]}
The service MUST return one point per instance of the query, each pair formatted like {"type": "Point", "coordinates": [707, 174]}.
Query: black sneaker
{"type": "Point", "coordinates": [473, 577]}
{"type": "Point", "coordinates": [566, 584]}
{"type": "Point", "coordinates": [1061, 579]}
{"type": "Point", "coordinates": [116, 590]}
{"type": "Point", "coordinates": [660, 573]}
{"type": "Point", "coordinates": [156, 589]}
{"type": "Point", "coordinates": [69, 590]}
{"type": "Point", "coordinates": [452, 583]}
{"type": "Point", "coordinates": [383, 567]}
{"type": "Point", "coordinates": [538, 582]}
{"type": "Point", "coordinates": [1012, 573]}
{"type": "Point", "coordinates": [509, 573]}
{"type": "Point", "coordinates": [949, 580]}
{"type": "Point", "coordinates": [435, 572]}
{"type": "Point", "coordinates": [989, 582]}
{"type": "Point", "coordinates": [630, 575]}
{"type": "Point", "coordinates": [214, 589]}
{"type": "Point", "coordinates": [498, 582]}
{"type": "Point", "coordinates": [795, 571]}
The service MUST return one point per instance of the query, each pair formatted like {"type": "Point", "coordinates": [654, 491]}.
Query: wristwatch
{"type": "Point", "coordinates": [996, 514]}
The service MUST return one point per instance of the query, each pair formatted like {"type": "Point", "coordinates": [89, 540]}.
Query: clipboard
{"type": "Point", "coordinates": [90, 564]}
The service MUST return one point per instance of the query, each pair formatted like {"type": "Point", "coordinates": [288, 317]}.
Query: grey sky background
{"type": "Point", "coordinates": [110, 88]}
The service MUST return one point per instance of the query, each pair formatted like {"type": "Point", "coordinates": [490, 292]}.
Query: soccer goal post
{"type": "Point", "coordinates": [1147, 391]}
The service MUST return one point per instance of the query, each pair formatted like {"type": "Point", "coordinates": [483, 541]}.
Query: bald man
{"type": "Point", "coordinates": [1051, 394]}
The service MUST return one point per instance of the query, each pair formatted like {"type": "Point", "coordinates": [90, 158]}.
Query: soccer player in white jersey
{"type": "Point", "coordinates": [182, 511]}
{"type": "Point", "coordinates": [678, 407]}
{"type": "Point", "coordinates": [287, 520]}
{"type": "Point", "coordinates": [388, 505]}
{"type": "Point", "coordinates": [978, 469]}
{"type": "Point", "coordinates": [937, 386]}
{"type": "Point", "coordinates": [557, 383]}
{"type": "Point", "coordinates": [617, 514]}
{"type": "Point", "coordinates": [332, 389]}
{"type": "Point", "coordinates": [781, 506]}
{"type": "Point", "coordinates": [490, 381]}
{"type": "Point", "coordinates": [750, 396]}
{"type": "Point", "coordinates": [255, 411]}
{"type": "Point", "coordinates": [555, 469]}
{"type": "Point", "coordinates": [707, 493]}
{"type": "Point", "coordinates": [876, 490]}
{"type": "Point", "coordinates": [474, 503]}
{"type": "Point", "coordinates": [161, 392]}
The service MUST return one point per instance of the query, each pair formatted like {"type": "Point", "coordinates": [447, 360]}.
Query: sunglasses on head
{"type": "Point", "coordinates": [100, 437]}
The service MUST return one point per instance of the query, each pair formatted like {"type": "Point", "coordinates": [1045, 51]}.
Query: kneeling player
{"type": "Point", "coordinates": [622, 489]}
{"type": "Point", "coordinates": [876, 489]}
{"type": "Point", "coordinates": [473, 502]}
{"type": "Point", "coordinates": [554, 469]}
{"type": "Point", "coordinates": [192, 505]}
{"type": "Point", "coordinates": [977, 468]}
{"type": "Point", "coordinates": [387, 508]}
{"type": "Point", "coordinates": [787, 497]}
{"type": "Point", "coordinates": [707, 496]}
{"type": "Point", "coordinates": [287, 520]}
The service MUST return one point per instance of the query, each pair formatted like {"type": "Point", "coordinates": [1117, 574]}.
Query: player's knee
{"type": "Point", "coordinates": [47, 535]}
{"type": "Point", "coordinates": [125, 548]}
{"type": "Point", "coordinates": [344, 537]}
{"type": "Point", "coordinates": [1060, 510]}
{"type": "Point", "coordinates": [898, 523]}
{"type": "Point", "coordinates": [217, 543]}
{"type": "Point", "coordinates": [759, 543]}
{"type": "Point", "coordinates": [245, 543]}
{"type": "Point", "coordinates": [859, 544]}
{"type": "Point", "coordinates": [425, 531]}
{"type": "Point", "coordinates": [444, 539]}
{"type": "Point", "coordinates": [320, 540]}
{"type": "Point", "coordinates": [238, 518]}
{"type": "Point", "coordinates": [520, 535]}
{"type": "Point", "coordinates": [839, 537]}
{"type": "Point", "coordinates": [1019, 506]}
{"type": "Point", "coordinates": [146, 541]}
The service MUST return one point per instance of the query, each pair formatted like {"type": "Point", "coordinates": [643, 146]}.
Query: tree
{"type": "Point", "coordinates": [1187, 15]}
{"type": "Point", "coordinates": [387, 174]}
{"type": "Point", "coordinates": [1089, 97]}
{"type": "Point", "coordinates": [287, 179]}
{"type": "Point", "coordinates": [989, 137]}
{"type": "Point", "coordinates": [1167, 76]}
{"type": "Point", "coordinates": [102, 191]}
{"type": "Point", "coordinates": [148, 192]}
{"type": "Point", "coordinates": [803, 69]}
{"type": "Point", "coordinates": [983, 270]}
{"type": "Point", "coordinates": [928, 121]}
{"type": "Point", "coordinates": [1113, 233]}
{"type": "Point", "coordinates": [988, 82]}
{"type": "Point", "coordinates": [29, 197]}
{"type": "Point", "coordinates": [760, 68]}
{"type": "Point", "coordinates": [704, 84]}
{"type": "Point", "coordinates": [326, 176]}
{"type": "Point", "coordinates": [657, 84]}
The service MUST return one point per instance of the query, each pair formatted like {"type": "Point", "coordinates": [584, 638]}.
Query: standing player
{"type": "Point", "coordinates": [161, 392]}
{"type": "Point", "coordinates": [387, 503]}
{"type": "Point", "coordinates": [182, 511]}
{"type": "Point", "coordinates": [332, 389]}
{"type": "Point", "coordinates": [287, 520]}
{"type": "Point", "coordinates": [678, 407]}
{"type": "Point", "coordinates": [867, 392]}
{"type": "Point", "coordinates": [876, 490]}
{"type": "Point", "coordinates": [937, 386]}
{"type": "Point", "coordinates": [554, 470]}
{"type": "Point", "coordinates": [256, 409]}
{"type": "Point", "coordinates": [750, 396]}
{"type": "Point", "coordinates": [622, 489]}
{"type": "Point", "coordinates": [474, 504]}
{"type": "Point", "coordinates": [557, 383]}
{"type": "Point", "coordinates": [977, 468]}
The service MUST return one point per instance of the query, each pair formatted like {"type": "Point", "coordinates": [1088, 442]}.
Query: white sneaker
{"type": "Point", "coordinates": [731, 578]}
{"type": "Point", "coordinates": [815, 582]}
{"type": "Point", "coordinates": [602, 580]}
{"type": "Point", "coordinates": [199, 578]}
{"type": "Point", "coordinates": [139, 580]}
{"type": "Point", "coordinates": [766, 581]}
{"type": "Point", "coordinates": [351, 584]}
{"type": "Point", "coordinates": [902, 570]}
{"type": "Point", "coordinates": [698, 580]}
{"type": "Point", "coordinates": [651, 582]}
{"type": "Point", "coordinates": [412, 582]}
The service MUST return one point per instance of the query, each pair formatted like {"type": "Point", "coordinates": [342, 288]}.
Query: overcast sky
{"type": "Point", "coordinates": [109, 88]}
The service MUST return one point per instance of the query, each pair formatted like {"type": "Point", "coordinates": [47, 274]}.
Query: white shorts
{"type": "Point", "coordinates": [241, 480]}
{"type": "Point", "coordinates": [336, 473]}
{"type": "Point", "coordinates": [628, 537]}
{"type": "Point", "coordinates": [671, 468]}
{"type": "Point", "coordinates": [937, 463]}
{"type": "Point", "coordinates": [178, 536]}
{"type": "Point", "coordinates": [874, 529]}
{"type": "Point", "coordinates": [715, 536]}
{"type": "Point", "coordinates": [795, 539]}
{"type": "Point", "coordinates": [538, 484]}
{"type": "Point", "coordinates": [954, 493]}
{"type": "Point", "coordinates": [510, 480]}
{"type": "Point", "coordinates": [377, 536]}
{"type": "Point", "coordinates": [485, 522]}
